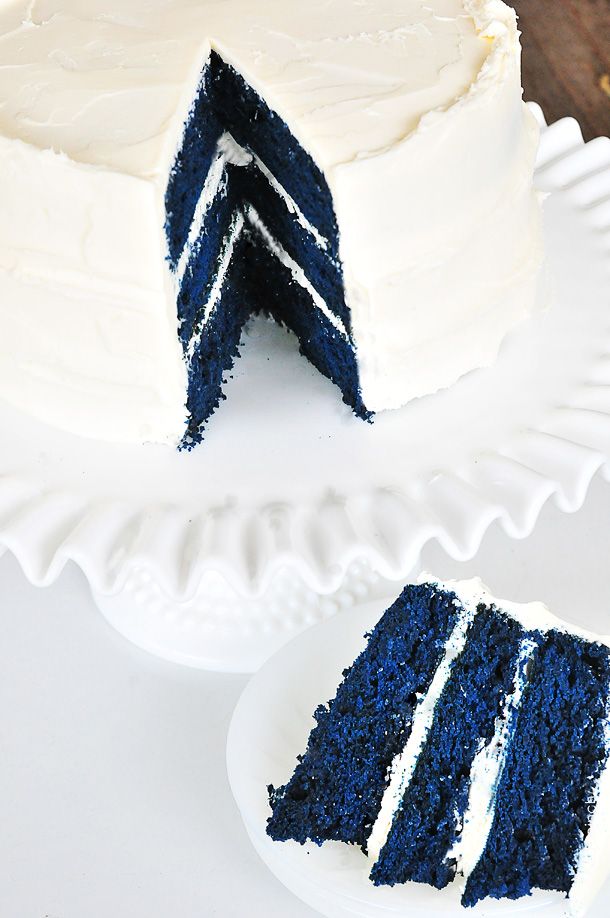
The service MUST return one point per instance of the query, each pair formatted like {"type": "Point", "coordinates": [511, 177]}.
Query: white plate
{"type": "Point", "coordinates": [270, 728]}
{"type": "Point", "coordinates": [288, 479]}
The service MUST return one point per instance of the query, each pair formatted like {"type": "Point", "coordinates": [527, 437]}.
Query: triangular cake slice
{"type": "Point", "coordinates": [469, 744]}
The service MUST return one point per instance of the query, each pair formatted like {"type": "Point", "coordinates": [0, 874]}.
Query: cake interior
{"type": "Point", "coordinates": [251, 228]}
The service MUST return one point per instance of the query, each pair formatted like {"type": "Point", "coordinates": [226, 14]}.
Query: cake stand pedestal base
{"type": "Point", "coordinates": [220, 630]}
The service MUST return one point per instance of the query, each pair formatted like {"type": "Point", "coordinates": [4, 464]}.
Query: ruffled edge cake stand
{"type": "Point", "coordinates": [293, 509]}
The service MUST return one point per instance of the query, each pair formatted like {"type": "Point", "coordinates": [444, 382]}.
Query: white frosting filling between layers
{"type": "Point", "coordinates": [290, 203]}
{"type": "Point", "coordinates": [297, 272]}
{"type": "Point", "coordinates": [403, 768]}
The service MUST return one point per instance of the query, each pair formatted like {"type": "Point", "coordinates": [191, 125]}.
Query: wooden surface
{"type": "Point", "coordinates": [566, 59]}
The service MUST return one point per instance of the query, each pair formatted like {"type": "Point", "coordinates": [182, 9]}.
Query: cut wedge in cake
{"type": "Point", "coordinates": [359, 172]}
{"type": "Point", "coordinates": [468, 744]}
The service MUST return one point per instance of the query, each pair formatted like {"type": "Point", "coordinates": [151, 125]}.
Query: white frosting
{"type": "Point", "coordinates": [412, 109]}
{"type": "Point", "coordinates": [456, 264]}
{"type": "Point", "coordinates": [88, 331]}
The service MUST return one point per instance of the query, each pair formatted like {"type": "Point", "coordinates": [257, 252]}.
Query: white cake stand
{"type": "Point", "coordinates": [292, 508]}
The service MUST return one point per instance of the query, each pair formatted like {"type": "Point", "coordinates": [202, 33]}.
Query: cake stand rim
{"type": "Point", "coordinates": [45, 531]}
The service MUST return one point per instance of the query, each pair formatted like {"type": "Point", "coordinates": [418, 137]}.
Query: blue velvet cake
{"type": "Point", "coordinates": [361, 173]}
{"type": "Point", "coordinates": [468, 744]}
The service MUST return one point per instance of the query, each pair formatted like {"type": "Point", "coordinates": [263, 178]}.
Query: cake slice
{"type": "Point", "coordinates": [468, 744]}
{"type": "Point", "coordinates": [336, 790]}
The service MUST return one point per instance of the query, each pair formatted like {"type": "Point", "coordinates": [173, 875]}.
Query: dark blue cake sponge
{"type": "Point", "coordinates": [336, 789]}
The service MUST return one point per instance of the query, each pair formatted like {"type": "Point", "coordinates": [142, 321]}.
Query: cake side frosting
{"type": "Point", "coordinates": [87, 312]}
{"type": "Point", "coordinates": [463, 218]}
{"type": "Point", "coordinates": [532, 616]}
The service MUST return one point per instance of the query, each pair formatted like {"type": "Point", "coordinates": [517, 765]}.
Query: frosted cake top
{"type": "Point", "coordinates": [110, 82]}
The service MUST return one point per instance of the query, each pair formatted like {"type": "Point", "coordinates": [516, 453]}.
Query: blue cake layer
{"type": "Point", "coordinates": [336, 790]}
{"type": "Point", "coordinates": [190, 168]}
{"type": "Point", "coordinates": [225, 103]}
{"type": "Point", "coordinates": [430, 816]}
{"type": "Point", "coordinates": [271, 289]}
{"type": "Point", "coordinates": [544, 800]}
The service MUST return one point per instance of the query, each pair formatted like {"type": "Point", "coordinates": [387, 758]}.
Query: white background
{"type": "Point", "coordinates": [114, 801]}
